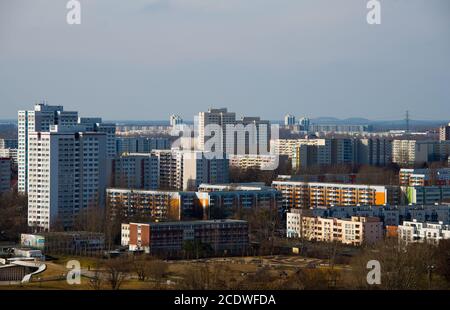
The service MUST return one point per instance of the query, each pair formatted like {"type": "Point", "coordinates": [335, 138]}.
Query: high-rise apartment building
{"type": "Point", "coordinates": [197, 168]}
{"type": "Point", "coordinates": [250, 135]}
{"type": "Point", "coordinates": [136, 171]}
{"type": "Point", "coordinates": [67, 172]}
{"type": "Point", "coordinates": [289, 120]}
{"type": "Point", "coordinates": [374, 151]}
{"type": "Point", "coordinates": [175, 120]}
{"type": "Point", "coordinates": [186, 170]}
{"type": "Point", "coordinates": [332, 151]}
{"type": "Point", "coordinates": [411, 152]}
{"type": "Point", "coordinates": [141, 144]}
{"type": "Point", "coordinates": [95, 124]}
{"type": "Point", "coordinates": [304, 123]}
{"type": "Point", "coordinates": [312, 152]}
{"type": "Point", "coordinates": [220, 117]}
{"type": "Point", "coordinates": [40, 119]}
{"type": "Point", "coordinates": [444, 133]}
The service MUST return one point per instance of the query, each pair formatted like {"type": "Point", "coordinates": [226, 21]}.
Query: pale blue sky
{"type": "Point", "coordinates": [147, 59]}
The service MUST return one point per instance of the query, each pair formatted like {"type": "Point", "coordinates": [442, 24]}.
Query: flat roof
{"type": "Point", "coordinates": [199, 222]}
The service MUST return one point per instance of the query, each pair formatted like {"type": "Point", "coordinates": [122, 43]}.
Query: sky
{"type": "Point", "coordinates": [147, 59]}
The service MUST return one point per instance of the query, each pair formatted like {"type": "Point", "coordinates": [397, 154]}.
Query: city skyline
{"type": "Point", "coordinates": [151, 58]}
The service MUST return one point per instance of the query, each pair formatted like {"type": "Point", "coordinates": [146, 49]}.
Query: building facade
{"type": "Point", "coordinates": [427, 194]}
{"type": "Point", "coordinates": [67, 172]}
{"type": "Point", "coordinates": [71, 243]}
{"type": "Point", "coordinates": [40, 119]}
{"type": "Point", "coordinates": [210, 202]}
{"type": "Point", "coordinates": [414, 152]}
{"type": "Point", "coordinates": [141, 144]}
{"type": "Point", "coordinates": [289, 120]}
{"type": "Point", "coordinates": [296, 194]}
{"type": "Point", "coordinates": [222, 236]}
{"type": "Point", "coordinates": [354, 231]}
{"type": "Point", "coordinates": [414, 231]}
{"type": "Point", "coordinates": [444, 133]}
{"type": "Point", "coordinates": [389, 215]}
{"type": "Point", "coordinates": [136, 171]}
{"type": "Point", "coordinates": [424, 177]}
{"type": "Point", "coordinates": [5, 174]}
{"type": "Point", "coordinates": [250, 135]}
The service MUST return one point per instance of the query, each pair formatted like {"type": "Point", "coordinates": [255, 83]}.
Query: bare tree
{"type": "Point", "coordinates": [116, 270]}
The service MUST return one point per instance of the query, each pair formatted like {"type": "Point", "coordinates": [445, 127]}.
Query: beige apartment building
{"type": "Point", "coordinates": [354, 231]}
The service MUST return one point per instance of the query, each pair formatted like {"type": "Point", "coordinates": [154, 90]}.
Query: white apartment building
{"type": "Point", "coordinates": [5, 174]}
{"type": "Point", "coordinates": [414, 231]}
{"type": "Point", "coordinates": [66, 173]}
{"type": "Point", "coordinates": [198, 169]}
{"type": "Point", "coordinates": [444, 132]}
{"type": "Point", "coordinates": [289, 120]}
{"type": "Point", "coordinates": [410, 152]}
{"type": "Point", "coordinates": [186, 170]}
{"type": "Point", "coordinates": [40, 119]}
{"type": "Point", "coordinates": [175, 120]}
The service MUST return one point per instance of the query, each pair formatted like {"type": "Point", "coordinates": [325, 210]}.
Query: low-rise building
{"type": "Point", "coordinates": [171, 238]}
{"type": "Point", "coordinates": [414, 231]}
{"type": "Point", "coordinates": [73, 243]}
{"type": "Point", "coordinates": [424, 177]}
